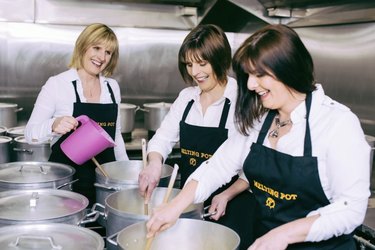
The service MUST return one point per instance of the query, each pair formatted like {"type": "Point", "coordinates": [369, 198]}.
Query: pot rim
{"type": "Point", "coordinates": [8, 105]}
{"type": "Point", "coordinates": [158, 105]}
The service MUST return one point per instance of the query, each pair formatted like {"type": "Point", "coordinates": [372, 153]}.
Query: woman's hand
{"type": "Point", "coordinates": [149, 177]}
{"type": "Point", "coordinates": [64, 124]}
{"type": "Point", "coordinates": [162, 218]}
{"type": "Point", "coordinates": [218, 206]}
{"type": "Point", "coordinates": [272, 240]}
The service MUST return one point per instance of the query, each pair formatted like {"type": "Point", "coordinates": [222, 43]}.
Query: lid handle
{"type": "Point", "coordinates": [34, 237]}
{"type": "Point", "coordinates": [34, 198]}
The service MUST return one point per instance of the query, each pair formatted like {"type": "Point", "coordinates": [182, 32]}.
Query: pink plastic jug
{"type": "Point", "coordinates": [88, 140]}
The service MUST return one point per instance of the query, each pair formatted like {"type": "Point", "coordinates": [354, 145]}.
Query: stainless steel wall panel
{"type": "Point", "coordinates": [115, 14]}
{"type": "Point", "coordinates": [17, 10]}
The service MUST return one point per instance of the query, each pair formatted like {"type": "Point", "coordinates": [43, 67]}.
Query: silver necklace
{"type": "Point", "coordinates": [275, 132]}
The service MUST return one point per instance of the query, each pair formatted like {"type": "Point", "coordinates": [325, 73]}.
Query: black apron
{"type": "Point", "coordinates": [287, 187]}
{"type": "Point", "coordinates": [197, 145]}
{"type": "Point", "coordinates": [105, 115]}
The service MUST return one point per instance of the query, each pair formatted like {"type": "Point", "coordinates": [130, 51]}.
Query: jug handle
{"type": "Point", "coordinates": [83, 119]}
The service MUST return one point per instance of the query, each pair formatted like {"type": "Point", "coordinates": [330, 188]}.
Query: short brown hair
{"type": "Point", "coordinates": [206, 42]}
{"type": "Point", "coordinates": [94, 34]}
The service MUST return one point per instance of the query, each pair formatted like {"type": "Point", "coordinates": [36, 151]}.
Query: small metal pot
{"type": "Point", "coordinates": [154, 114]}
{"type": "Point", "coordinates": [127, 120]}
{"type": "Point", "coordinates": [187, 234]}
{"type": "Point", "coordinates": [23, 151]}
{"type": "Point", "coordinates": [5, 142]}
{"type": "Point", "coordinates": [43, 206]}
{"type": "Point", "coordinates": [8, 114]}
{"type": "Point", "coordinates": [35, 175]}
{"type": "Point", "coordinates": [49, 236]}
{"type": "Point", "coordinates": [126, 207]}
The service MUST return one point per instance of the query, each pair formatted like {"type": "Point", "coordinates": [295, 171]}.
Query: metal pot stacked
{"type": "Point", "coordinates": [127, 120]}
{"type": "Point", "coordinates": [35, 175]}
{"type": "Point", "coordinates": [49, 236]}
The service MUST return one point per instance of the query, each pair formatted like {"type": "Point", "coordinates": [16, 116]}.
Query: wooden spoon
{"type": "Point", "coordinates": [100, 167]}
{"type": "Point", "coordinates": [144, 160]}
{"type": "Point", "coordinates": [165, 200]}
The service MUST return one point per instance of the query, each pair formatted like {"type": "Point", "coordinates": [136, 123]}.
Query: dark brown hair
{"type": "Point", "coordinates": [277, 51]}
{"type": "Point", "coordinates": [206, 42]}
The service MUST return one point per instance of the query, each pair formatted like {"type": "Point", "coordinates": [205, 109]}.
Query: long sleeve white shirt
{"type": "Point", "coordinates": [169, 132]}
{"type": "Point", "coordinates": [343, 156]}
{"type": "Point", "coordinates": [56, 99]}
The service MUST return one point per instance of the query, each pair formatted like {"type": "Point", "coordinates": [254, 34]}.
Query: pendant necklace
{"type": "Point", "coordinates": [275, 132]}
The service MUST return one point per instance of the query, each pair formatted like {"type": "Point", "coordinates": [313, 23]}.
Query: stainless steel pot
{"type": "Point", "coordinates": [23, 151]}
{"type": "Point", "coordinates": [126, 207]}
{"type": "Point", "coordinates": [35, 175]}
{"type": "Point", "coordinates": [43, 206]}
{"type": "Point", "coordinates": [154, 114]}
{"type": "Point", "coordinates": [127, 120]}
{"type": "Point", "coordinates": [8, 114]}
{"type": "Point", "coordinates": [15, 132]}
{"type": "Point", "coordinates": [186, 234]}
{"type": "Point", "coordinates": [123, 175]}
{"type": "Point", "coordinates": [5, 142]}
{"type": "Point", "coordinates": [49, 236]}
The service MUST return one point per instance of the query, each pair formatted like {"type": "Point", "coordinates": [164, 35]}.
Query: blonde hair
{"type": "Point", "coordinates": [94, 34]}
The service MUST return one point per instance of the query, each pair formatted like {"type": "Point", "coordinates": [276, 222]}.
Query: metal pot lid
{"type": "Point", "coordinates": [127, 106]}
{"type": "Point", "coordinates": [40, 204]}
{"type": "Point", "coordinates": [158, 105]}
{"type": "Point", "coordinates": [16, 130]}
{"type": "Point", "coordinates": [49, 236]}
{"type": "Point", "coordinates": [8, 105]}
{"type": "Point", "coordinates": [29, 172]}
{"type": "Point", "coordinates": [5, 139]}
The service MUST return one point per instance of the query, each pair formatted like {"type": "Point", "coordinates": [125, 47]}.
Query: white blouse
{"type": "Point", "coordinates": [343, 156]}
{"type": "Point", "coordinates": [56, 99]}
{"type": "Point", "coordinates": [169, 132]}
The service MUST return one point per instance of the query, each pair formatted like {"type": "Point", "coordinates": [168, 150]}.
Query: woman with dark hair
{"type": "Point", "coordinates": [201, 119]}
{"type": "Point", "coordinates": [310, 181]}
{"type": "Point", "coordinates": [85, 89]}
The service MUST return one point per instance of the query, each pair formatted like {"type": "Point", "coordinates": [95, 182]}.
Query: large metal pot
{"type": "Point", "coordinates": [49, 236]}
{"type": "Point", "coordinates": [154, 114]}
{"type": "Point", "coordinates": [35, 175]}
{"type": "Point", "coordinates": [8, 114]}
{"type": "Point", "coordinates": [123, 175]}
{"type": "Point", "coordinates": [126, 207]}
{"type": "Point", "coordinates": [127, 120]}
{"type": "Point", "coordinates": [42, 206]}
{"type": "Point", "coordinates": [5, 142]}
{"type": "Point", "coordinates": [23, 151]}
{"type": "Point", "coordinates": [186, 234]}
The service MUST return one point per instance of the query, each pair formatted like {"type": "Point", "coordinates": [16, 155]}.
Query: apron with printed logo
{"type": "Point", "coordinates": [287, 187]}
{"type": "Point", "coordinates": [197, 145]}
{"type": "Point", "coordinates": [106, 116]}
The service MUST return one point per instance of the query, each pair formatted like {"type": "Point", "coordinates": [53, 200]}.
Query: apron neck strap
{"type": "Point", "coordinates": [224, 114]}
{"type": "Point", "coordinates": [78, 100]}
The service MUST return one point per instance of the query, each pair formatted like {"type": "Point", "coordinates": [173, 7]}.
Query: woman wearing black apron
{"type": "Point", "coordinates": [201, 119]}
{"type": "Point", "coordinates": [310, 183]}
{"type": "Point", "coordinates": [82, 90]}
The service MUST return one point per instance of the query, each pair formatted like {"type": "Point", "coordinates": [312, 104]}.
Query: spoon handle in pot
{"type": "Point", "coordinates": [99, 166]}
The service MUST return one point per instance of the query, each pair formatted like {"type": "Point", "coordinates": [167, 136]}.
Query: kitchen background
{"type": "Point", "coordinates": [37, 39]}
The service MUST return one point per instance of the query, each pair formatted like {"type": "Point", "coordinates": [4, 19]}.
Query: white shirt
{"type": "Point", "coordinates": [169, 132]}
{"type": "Point", "coordinates": [56, 99]}
{"type": "Point", "coordinates": [343, 156]}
